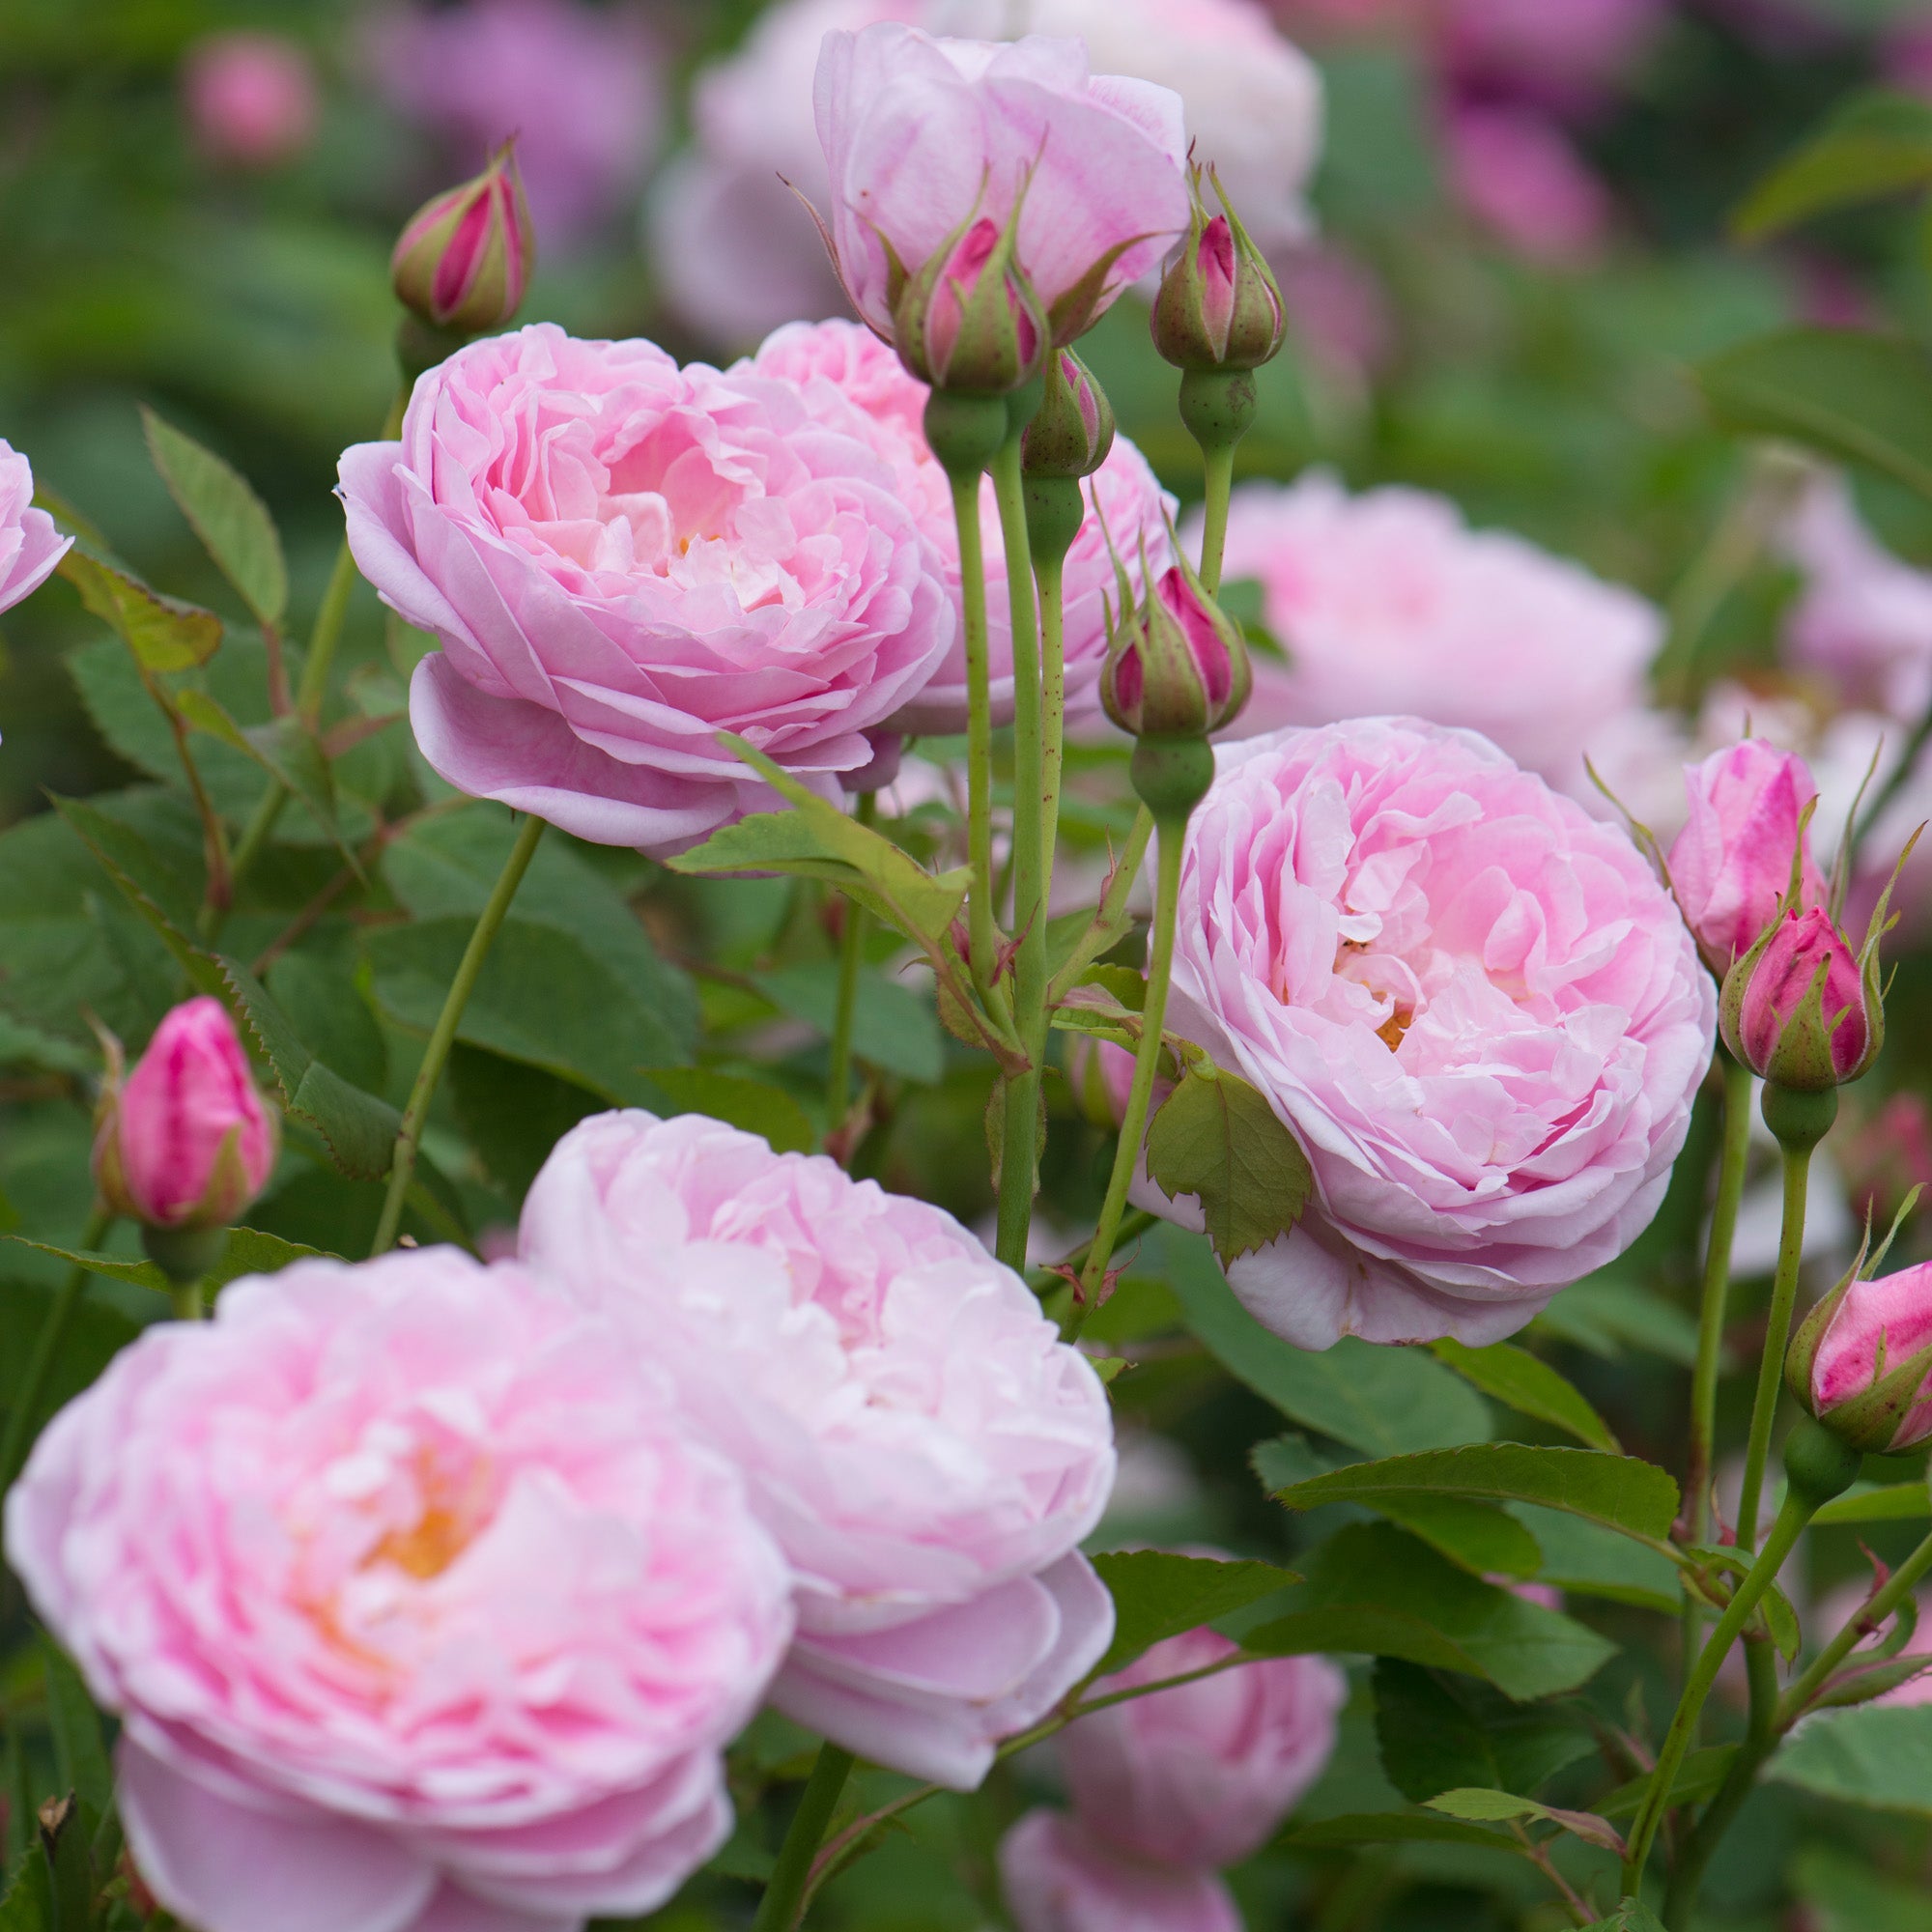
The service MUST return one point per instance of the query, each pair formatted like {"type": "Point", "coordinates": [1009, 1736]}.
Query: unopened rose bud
{"type": "Point", "coordinates": [1177, 663]}
{"type": "Point", "coordinates": [184, 1143]}
{"type": "Point", "coordinates": [465, 257]}
{"type": "Point", "coordinates": [1862, 1362]}
{"type": "Point", "coordinates": [967, 321]}
{"type": "Point", "coordinates": [1101, 1076]}
{"type": "Point", "coordinates": [1801, 1009]}
{"type": "Point", "coordinates": [1073, 429]}
{"type": "Point", "coordinates": [1219, 306]}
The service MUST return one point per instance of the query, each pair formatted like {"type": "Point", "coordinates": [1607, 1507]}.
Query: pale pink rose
{"type": "Point", "coordinates": [623, 558]}
{"type": "Point", "coordinates": [926, 1451]}
{"type": "Point", "coordinates": [418, 1607]}
{"type": "Point", "coordinates": [1568, 53]}
{"type": "Point", "coordinates": [1517, 172]}
{"type": "Point", "coordinates": [1475, 1006]}
{"type": "Point", "coordinates": [1204, 1774]}
{"type": "Point", "coordinates": [1865, 619]}
{"type": "Point", "coordinates": [1731, 864]}
{"type": "Point", "coordinates": [250, 98]}
{"type": "Point", "coordinates": [1059, 1877]}
{"type": "Point", "coordinates": [184, 1141]}
{"type": "Point", "coordinates": [30, 546]}
{"type": "Point", "coordinates": [824, 358]}
{"type": "Point", "coordinates": [1388, 601]}
{"type": "Point", "coordinates": [580, 86]}
{"type": "Point", "coordinates": [923, 136]}
{"type": "Point", "coordinates": [1876, 1328]}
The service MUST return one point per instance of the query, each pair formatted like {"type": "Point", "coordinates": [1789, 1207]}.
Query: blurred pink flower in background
{"type": "Point", "coordinates": [580, 86]}
{"type": "Point", "coordinates": [30, 543]}
{"type": "Point", "coordinates": [1567, 52]}
{"type": "Point", "coordinates": [1388, 602]}
{"type": "Point", "coordinates": [1517, 172]}
{"type": "Point", "coordinates": [1060, 1875]}
{"type": "Point", "coordinates": [1908, 55]}
{"type": "Point", "coordinates": [1843, 1604]}
{"type": "Point", "coordinates": [1337, 306]}
{"type": "Point", "coordinates": [252, 97]}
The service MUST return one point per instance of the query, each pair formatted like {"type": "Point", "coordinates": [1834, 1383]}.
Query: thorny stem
{"type": "Point", "coordinates": [984, 943]}
{"type": "Point", "coordinates": [1048, 579]}
{"type": "Point", "coordinates": [851, 953]}
{"type": "Point", "coordinates": [409, 1139]}
{"type": "Point", "coordinates": [1778, 1335]}
{"type": "Point", "coordinates": [1884, 1601]}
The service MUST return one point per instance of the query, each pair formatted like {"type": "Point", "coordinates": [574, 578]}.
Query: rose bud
{"type": "Point", "coordinates": [967, 321]}
{"type": "Point", "coordinates": [183, 1144]}
{"type": "Point", "coordinates": [1073, 429]}
{"type": "Point", "coordinates": [1101, 1075]}
{"type": "Point", "coordinates": [464, 258]}
{"type": "Point", "coordinates": [1801, 1009]}
{"type": "Point", "coordinates": [1219, 306]}
{"type": "Point", "coordinates": [1177, 663]}
{"type": "Point", "coordinates": [1731, 864]}
{"type": "Point", "coordinates": [1861, 1361]}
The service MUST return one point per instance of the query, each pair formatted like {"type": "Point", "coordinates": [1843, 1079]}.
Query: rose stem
{"type": "Point", "coordinates": [783, 1903]}
{"type": "Point", "coordinates": [47, 1346]}
{"type": "Point", "coordinates": [851, 952]}
{"type": "Point", "coordinates": [984, 942]}
{"type": "Point", "coordinates": [403, 1166]}
{"type": "Point", "coordinates": [1219, 466]}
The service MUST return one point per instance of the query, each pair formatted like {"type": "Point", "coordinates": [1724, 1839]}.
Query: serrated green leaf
{"type": "Point", "coordinates": [1381, 1401]}
{"type": "Point", "coordinates": [1632, 1916]}
{"type": "Point", "coordinates": [1477, 1537]}
{"type": "Point", "coordinates": [163, 633]}
{"type": "Point", "coordinates": [892, 1027]}
{"type": "Point", "coordinates": [1373, 1588]}
{"type": "Point", "coordinates": [1842, 1893]}
{"type": "Point", "coordinates": [248, 1251]}
{"type": "Point", "coordinates": [1605, 1315]}
{"type": "Point", "coordinates": [1874, 144]}
{"type": "Point", "coordinates": [754, 1105]}
{"type": "Point", "coordinates": [1584, 1558]}
{"type": "Point", "coordinates": [1436, 1731]}
{"type": "Point", "coordinates": [286, 750]}
{"type": "Point", "coordinates": [1475, 1805]}
{"type": "Point", "coordinates": [513, 1114]}
{"type": "Point", "coordinates": [1698, 1777]}
{"type": "Point", "coordinates": [1159, 1595]}
{"type": "Point", "coordinates": [29, 1903]}
{"type": "Point", "coordinates": [1878, 1756]}
{"type": "Point", "coordinates": [1872, 1502]}
{"type": "Point", "coordinates": [1398, 1828]}
{"type": "Point", "coordinates": [1620, 1491]}
{"type": "Point", "coordinates": [1860, 398]}
{"type": "Point", "coordinates": [231, 522]}
{"type": "Point", "coordinates": [1529, 1385]}
{"type": "Point", "coordinates": [1216, 1138]}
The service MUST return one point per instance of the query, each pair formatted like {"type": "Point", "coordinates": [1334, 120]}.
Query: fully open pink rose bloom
{"type": "Point", "coordinates": [30, 546]}
{"type": "Point", "coordinates": [1888, 1320]}
{"type": "Point", "coordinates": [418, 1607]}
{"type": "Point", "coordinates": [1202, 1774]}
{"type": "Point", "coordinates": [926, 1451]}
{"type": "Point", "coordinates": [622, 558]}
{"type": "Point", "coordinates": [1473, 1005]}
{"type": "Point", "coordinates": [1731, 864]}
{"type": "Point", "coordinates": [849, 365]}
{"type": "Point", "coordinates": [187, 1141]}
{"type": "Point", "coordinates": [252, 97]}
{"type": "Point", "coordinates": [1059, 1876]}
{"type": "Point", "coordinates": [1388, 601]}
{"type": "Point", "coordinates": [923, 136]}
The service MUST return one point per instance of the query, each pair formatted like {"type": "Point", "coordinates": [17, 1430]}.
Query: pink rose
{"type": "Point", "coordinates": [30, 546]}
{"type": "Point", "coordinates": [1474, 1006]}
{"type": "Point", "coordinates": [185, 1142]}
{"type": "Point", "coordinates": [1868, 1330]}
{"type": "Point", "coordinates": [1766, 1001]}
{"type": "Point", "coordinates": [1202, 1774]}
{"type": "Point", "coordinates": [1568, 55]}
{"type": "Point", "coordinates": [250, 98]}
{"type": "Point", "coordinates": [580, 86]}
{"type": "Point", "coordinates": [416, 1602]}
{"type": "Point", "coordinates": [1059, 1877]}
{"type": "Point", "coordinates": [842, 364]}
{"type": "Point", "coordinates": [923, 136]}
{"type": "Point", "coordinates": [1731, 864]}
{"type": "Point", "coordinates": [1388, 602]}
{"type": "Point", "coordinates": [1518, 174]}
{"type": "Point", "coordinates": [926, 1451]}
{"type": "Point", "coordinates": [623, 558]}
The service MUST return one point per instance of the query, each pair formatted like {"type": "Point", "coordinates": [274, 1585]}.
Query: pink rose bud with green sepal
{"type": "Point", "coordinates": [1801, 1009]}
{"type": "Point", "coordinates": [185, 1141]}
{"type": "Point", "coordinates": [466, 255]}
{"type": "Point", "coordinates": [1862, 1362]}
{"type": "Point", "coordinates": [1178, 665]}
{"type": "Point", "coordinates": [1219, 306]}
{"type": "Point", "coordinates": [967, 319]}
{"type": "Point", "coordinates": [1072, 432]}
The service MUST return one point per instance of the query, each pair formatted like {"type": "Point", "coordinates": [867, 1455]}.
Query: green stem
{"type": "Point", "coordinates": [1897, 1587]}
{"type": "Point", "coordinates": [783, 1903]}
{"type": "Point", "coordinates": [1048, 579]}
{"type": "Point", "coordinates": [1785, 1533]}
{"type": "Point", "coordinates": [1777, 1336]}
{"type": "Point", "coordinates": [1687, 1875]}
{"type": "Point", "coordinates": [1698, 1464]}
{"type": "Point", "coordinates": [403, 1165]}
{"type": "Point", "coordinates": [1019, 1164]}
{"type": "Point", "coordinates": [323, 639]}
{"type": "Point", "coordinates": [851, 953]}
{"type": "Point", "coordinates": [13, 1446]}
{"type": "Point", "coordinates": [1147, 1058]}
{"type": "Point", "coordinates": [1219, 465]}
{"type": "Point", "coordinates": [984, 942]}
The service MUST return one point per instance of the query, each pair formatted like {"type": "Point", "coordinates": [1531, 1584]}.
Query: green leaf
{"type": "Point", "coordinates": [1436, 1730]}
{"type": "Point", "coordinates": [248, 1251]}
{"type": "Point", "coordinates": [1697, 1778]}
{"type": "Point", "coordinates": [1478, 1537]}
{"type": "Point", "coordinates": [1476, 1805]}
{"type": "Point", "coordinates": [231, 521]}
{"type": "Point", "coordinates": [1858, 398]}
{"type": "Point", "coordinates": [754, 1105]}
{"type": "Point", "coordinates": [1372, 1588]}
{"type": "Point", "coordinates": [892, 1027]}
{"type": "Point", "coordinates": [1874, 144]}
{"type": "Point", "coordinates": [287, 751]}
{"type": "Point", "coordinates": [1632, 1916]}
{"type": "Point", "coordinates": [513, 1114]}
{"type": "Point", "coordinates": [1157, 1595]}
{"type": "Point", "coordinates": [29, 1904]}
{"type": "Point", "coordinates": [80, 1756]}
{"type": "Point", "coordinates": [1844, 1893]}
{"type": "Point", "coordinates": [1398, 1828]}
{"type": "Point", "coordinates": [1216, 1137]}
{"type": "Point", "coordinates": [1872, 1502]}
{"type": "Point", "coordinates": [1605, 1315]}
{"type": "Point", "coordinates": [95, 1334]}
{"type": "Point", "coordinates": [1529, 1385]}
{"type": "Point", "coordinates": [1878, 1756]}
{"type": "Point", "coordinates": [817, 841]}
{"type": "Point", "coordinates": [1585, 1559]}
{"type": "Point", "coordinates": [163, 633]}
{"type": "Point", "coordinates": [1619, 1492]}
{"type": "Point", "coordinates": [1381, 1401]}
